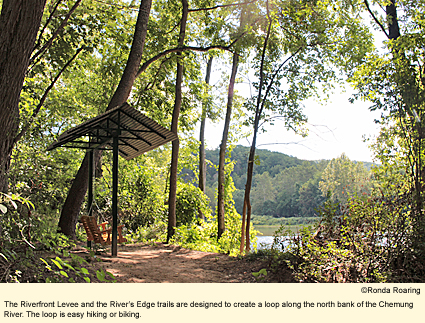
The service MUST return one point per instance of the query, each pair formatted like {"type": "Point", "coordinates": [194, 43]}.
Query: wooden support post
{"type": "Point", "coordinates": [114, 250]}
{"type": "Point", "coordinates": [90, 189]}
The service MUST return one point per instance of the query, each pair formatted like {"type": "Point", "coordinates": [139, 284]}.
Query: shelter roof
{"type": "Point", "coordinates": [136, 132]}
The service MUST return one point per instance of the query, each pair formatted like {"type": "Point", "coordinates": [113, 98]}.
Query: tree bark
{"type": "Point", "coordinates": [393, 27]}
{"type": "Point", "coordinates": [258, 112]}
{"type": "Point", "coordinates": [202, 162]}
{"type": "Point", "coordinates": [78, 190]}
{"type": "Point", "coordinates": [223, 147]}
{"type": "Point", "coordinates": [172, 198]}
{"type": "Point", "coordinates": [19, 23]}
{"type": "Point", "coordinates": [248, 186]}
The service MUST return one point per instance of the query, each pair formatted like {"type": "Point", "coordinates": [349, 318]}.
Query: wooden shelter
{"type": "Point", "coordinates": [125, 131]}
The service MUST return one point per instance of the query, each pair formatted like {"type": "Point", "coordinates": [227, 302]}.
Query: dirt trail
{"type": "Point", "coordinates": [160, 263]}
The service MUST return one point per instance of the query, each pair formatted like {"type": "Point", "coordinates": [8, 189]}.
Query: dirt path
{"type": "Point", "coordinates": [159, 263]}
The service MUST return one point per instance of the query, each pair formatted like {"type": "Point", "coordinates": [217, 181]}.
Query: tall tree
{"type": "Point", "coordinates": [75, 198]}
{"type": "Point", "coordinates": [19, 23]}
{"type": "Point", "coordinates": [243, 20]}
{"type": "Point", "coordinates": [202, 162]}
{"type": "Point", "coordinates": [303, 34]}
{"type": "Point", "coordinates": [246, 213]}
{"type": "Point", "coordinates": [172, 221]}
{"type": "Point", "coordinates": [178, 103]}
{"type": "Point", "coordinates": [344, 178]}
{"type": "Point", "coordinates": [393, 80]}
{"type": "Point", "coordinates": [223, 148]}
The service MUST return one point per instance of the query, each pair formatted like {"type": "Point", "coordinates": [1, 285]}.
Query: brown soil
{"type": "Point", "coordinates": [160, 263]}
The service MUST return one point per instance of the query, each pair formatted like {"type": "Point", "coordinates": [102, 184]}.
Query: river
{"type": "Point", "coordinates": [264, 242]}
{"type": "Point", "coordinates": [265, 236]}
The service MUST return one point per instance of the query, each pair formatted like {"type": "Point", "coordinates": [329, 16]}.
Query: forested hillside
{"type": "Point", "coordinates": [283, 186]}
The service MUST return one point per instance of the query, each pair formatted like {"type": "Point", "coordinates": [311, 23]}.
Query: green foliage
{"type": "Point", "coordinates": [63, 271]}
{"type": "Point", "coordinates": [297, 192]}
{"type": "Point", "coordinates": [26, 237]}
{"type": "Point", "coordinates": [271, 162]}
{"type": "Point", "coordinates": [369, 240]}
{"type": "Point", "coordinates": [287, 178]}
{"type": "Point", "coordinates": [260, 275]}
{"type": "Point", "coordinates": [372, 235]}
{"type": "Point", "coordinates": [141, 198]}
{"type": "Point", "coordinates": [22, 263]}
{"type": "Point", "coordinates": [154, 232]}
{"type": "Point", "coordinates": [307, 41]}
{"type": "Point", "coordinates": [392, 80]}
{"type": "Point", "coordinates": [203, 235]}
{"type": "Point", "coordinates": [344, 178]}
{"type": "Point", "coordinates": [190, 201]}
{"type": "Point", "coordinates": [284, 186]}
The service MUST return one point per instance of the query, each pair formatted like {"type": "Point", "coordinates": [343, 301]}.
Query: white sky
{"type": "Point", "coordinates": [336, 127]}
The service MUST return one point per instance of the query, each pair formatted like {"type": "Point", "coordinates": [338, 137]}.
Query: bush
{"type": "Point", "coordinates": [368, 240]}
{"type": "Point", "coordinates": [30, 248]}
{"type": "Point", "coordinates": [190, 201]}
{"type": "Point", "coordinates": [141, 199]}
{"type": "Point", "coordinates": [203, 236]}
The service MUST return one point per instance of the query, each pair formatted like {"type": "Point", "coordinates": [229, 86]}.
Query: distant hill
{"type": "Point", "coordinates": [272, 162]}
{"type": "Point", "coordinates": [283, 185]}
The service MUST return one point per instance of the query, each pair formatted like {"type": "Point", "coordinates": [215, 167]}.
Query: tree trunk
{"type": "Point", "coordinates": [393, 27]}
{"type": "Point", "coordinates": [258, 112]}
{"type": "Point", "coordinates": [172, 198]}
{"type": "Point", "coordinates": [247, 200]}
{"type": "Point", "coordinates": [134, 58]}
{"type": "Point", "coordinates": [19, 23]}
{"type": "Point", "coordinates": [78, 190]}
{"type": "Point", "coordinates": [407, 79]}
{"type": "Point", "coordinates": [223, 146]}
{"type": "Point", "coordinates": [202, 162]}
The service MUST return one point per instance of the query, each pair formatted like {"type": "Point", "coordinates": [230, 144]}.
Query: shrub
{"type": "Point", "coordinates": [368, 240]}
{"type": "Point", "coordinates": [190, 201]}
{"type": "Point", "coordinates": [203, 236]}
{"type": "Point", "coordinates": [141, 199]}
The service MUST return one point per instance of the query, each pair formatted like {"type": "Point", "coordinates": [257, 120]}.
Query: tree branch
{"type": "Point", "coordinates": [277, 72]}
{"type": "Point", "coordinates": [135, 8]}
{"type": "Point", "coordinates": [260, 102]}
{"type": "Point", "coordinates": [151, 83]}
{"type": "Point", "coordinates": [55, 34]}
{"type": "Point", "coordinates": [375, 18]}
{"type": "Point", "coordinates": [47, 23]}
{"type": "Point", "coordinates": [222, 6]}
{"type": "Point", "coordinates": [146, 64]}
{"type": "Point", "coordinates": [44, 97]}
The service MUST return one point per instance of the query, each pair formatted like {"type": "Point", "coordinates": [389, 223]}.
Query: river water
{"type": "Point", "coordinates": [266, 232]}
{"type": "Point", "coordinates": [264, 242]}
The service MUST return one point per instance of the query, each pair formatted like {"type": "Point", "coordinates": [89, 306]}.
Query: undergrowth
{"type": "Point", "coordinates": [30, 251]}
{"type": "Point", "coordinates": [368, 240]}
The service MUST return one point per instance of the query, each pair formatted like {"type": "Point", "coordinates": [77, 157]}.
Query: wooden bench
{"type": "Point", "coordinates": [101, 235]}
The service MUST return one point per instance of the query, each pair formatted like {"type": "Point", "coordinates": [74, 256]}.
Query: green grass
{"type": "Point", "coordinates": [269, 230]}
{"type": "Point", "coordinates": [267, 220]}
{"type": "Point", "coordinates": [268, 225]}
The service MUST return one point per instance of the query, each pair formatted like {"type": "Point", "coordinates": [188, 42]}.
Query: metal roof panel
{"type": "Point", "coordinates": [137, 133]}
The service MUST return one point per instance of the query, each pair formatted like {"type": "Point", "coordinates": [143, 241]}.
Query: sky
{"type": "Point", "coordinates": [335, 127]}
